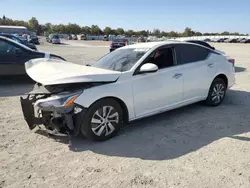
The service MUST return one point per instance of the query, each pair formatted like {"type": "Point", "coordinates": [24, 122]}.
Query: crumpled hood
{"type": "Point", "coordinates": [50, 72]}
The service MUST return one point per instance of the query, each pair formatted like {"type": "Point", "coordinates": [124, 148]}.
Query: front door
{"type": "Point", "coordinates": [11, 60]}
{"type": "Point", "coordinates": [156, 91]}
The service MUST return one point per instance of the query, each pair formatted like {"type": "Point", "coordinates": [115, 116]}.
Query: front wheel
{"type": "Point", "coordinates": [102, 120]}
{"type": "Point", "coordinates": [216, 93]}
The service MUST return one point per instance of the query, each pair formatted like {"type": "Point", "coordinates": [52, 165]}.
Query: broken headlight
{"type": "Point", "coordinates": [57, 101]}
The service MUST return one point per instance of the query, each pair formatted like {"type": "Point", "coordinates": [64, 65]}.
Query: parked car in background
{"type": "Point", "coordinates": [20, 40]}
{"type": "Point", "coordinates": [240, 39]}
{"type": "Point", "coordinates": [130, 83]}
{"type": "Point", "coordinates": [54, 39]}
{"type": "Point", "coordinates": [69, 37]}
{"type": "Point", "coordinates": [231, 40]}
{"type": "Point", "coordinates": [13, 55]}
{"type": "Point", "coordinates": [32, 38]}
{"type": "Point", "coordinates": [105, 38]}
{"type": "Point", "coordinates": [141, 39]}
{"type": "Point", "coordinates": [74, 37]}
{"type": "Point", "coordinates": [207, 40]}
{"type": "Point", "coordinates": [222, 39]}
{"type": "Point", "coordinates": [245, 41]}
{"type": "Point", "coordinates": [118, 43]}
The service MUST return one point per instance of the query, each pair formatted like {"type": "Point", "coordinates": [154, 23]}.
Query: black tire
{"type": "Point", "coordinates": [87, 125]}
{"type": "Point", "coordinates": [216, 98]}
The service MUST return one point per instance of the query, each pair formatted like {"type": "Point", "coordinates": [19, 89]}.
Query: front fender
{"type": "Point", "coordinates": [117, 90]}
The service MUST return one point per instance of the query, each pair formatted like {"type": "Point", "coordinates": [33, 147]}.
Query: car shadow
{"type": "Point", "coordinates": [239, 69]}
{"type": "Point", "coordinates": [15, 86]}
{"type": "Point", "coordinates": [175, 133]}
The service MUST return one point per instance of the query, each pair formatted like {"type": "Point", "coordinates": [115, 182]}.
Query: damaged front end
{"type": "Point", "coordinates": [53, 107]}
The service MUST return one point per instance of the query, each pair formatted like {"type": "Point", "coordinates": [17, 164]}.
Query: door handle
{"type": "Point", "coordinates": [177, 75]}
{"type": "Point", "coordinates": [210, 65]}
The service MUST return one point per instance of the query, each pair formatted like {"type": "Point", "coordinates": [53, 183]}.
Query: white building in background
{"type": "Point", "coordinates": [13, 29]}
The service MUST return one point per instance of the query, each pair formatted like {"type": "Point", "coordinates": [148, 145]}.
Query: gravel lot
{"type": "Point", "coordinates": [195, 146]}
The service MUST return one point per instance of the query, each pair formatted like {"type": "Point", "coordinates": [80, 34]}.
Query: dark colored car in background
{"type": "Point", "coordinates": [245, 41]}
{"type": "Point", "coordinates": [118, 43]}
{"type": "Point", "coordinates": [19, 40]}
{"type": "Point", "coordinates": [203, 43]}
{"type": "Point", "coordinates": [13, 56]}
{"type": "Point", "coordinates": [230, 40]}
{"type": "Point", "coordinates": [34, 41]}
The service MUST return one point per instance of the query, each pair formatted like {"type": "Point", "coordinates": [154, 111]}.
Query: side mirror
{"type": "Point", "coordinates": [148, 67]}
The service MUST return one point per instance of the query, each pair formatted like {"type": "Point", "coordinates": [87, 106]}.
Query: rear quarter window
{"type": "Point", "coordinates": [188, 53]}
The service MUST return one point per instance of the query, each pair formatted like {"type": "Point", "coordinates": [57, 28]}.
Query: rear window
{"type": "Point", "coordinates": [188, 53]}
{"type": "Point", "coordinates": [201, 43]}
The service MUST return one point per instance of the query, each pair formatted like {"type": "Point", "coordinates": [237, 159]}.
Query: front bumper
{"type": "Point", "coordinates": [28, 111]}
{"type": "Point", "coordinates": [69, 121]}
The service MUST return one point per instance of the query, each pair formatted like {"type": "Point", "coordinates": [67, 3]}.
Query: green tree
{"type": "Point", "coordinates": [73, 28]}
{"type": "Point", "coordinates": [86, 30]}
{"type": "Point", "coordinates": [95, 30]}
{"type": "Point", "coordinates": [143, 33]}
{"type": "Point", "coordinates": [225, 33]}
{"type": "Point", "coordinates": [34, 24]}
{"type": "Point", "coordinates": [120, 31]}
{"type": "Point", "coordinates": [130, 32]}
{"type": "Point", "coordinates": [156, 32]}
{"type": "Point", "coordinates": [107, 31]}
{"type": "Point", "coordinates": [173, 34]}
{"type": "Point", "coordinates": [188, 32]}
{"type": "Point", "coordinates": [164, 34]}
{"type": "Point", "coordinates": [197, 34]}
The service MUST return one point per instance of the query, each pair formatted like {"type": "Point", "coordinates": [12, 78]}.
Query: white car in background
{"type": "Point", "coordinates": [130, 83]}
{"type": "Point", "coordinates": [54, 39]}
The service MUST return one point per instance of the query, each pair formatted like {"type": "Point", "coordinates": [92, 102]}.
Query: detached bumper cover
{"type": "Point", "coordinates": [28, 112]}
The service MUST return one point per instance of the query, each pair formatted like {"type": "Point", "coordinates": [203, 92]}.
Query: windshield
{"type": "Point", "coordinates": [121, 59]}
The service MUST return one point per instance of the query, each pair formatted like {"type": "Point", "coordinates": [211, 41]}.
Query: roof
{"type": "Point", "coordinates": [152, 44]}
{"type": "Point", "coordinates": [10, 26]}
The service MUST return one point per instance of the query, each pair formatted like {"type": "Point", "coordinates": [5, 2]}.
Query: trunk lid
{"type": "Point", "coordinates": [52, 72]}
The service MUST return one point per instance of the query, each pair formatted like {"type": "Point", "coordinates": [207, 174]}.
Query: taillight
{"type": "Point", "coordinates": [232, 61]}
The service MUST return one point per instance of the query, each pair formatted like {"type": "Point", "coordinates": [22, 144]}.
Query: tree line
{"type": "Point", "coordinates": [72, 28]}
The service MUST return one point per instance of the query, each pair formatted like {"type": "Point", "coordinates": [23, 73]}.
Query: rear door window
{"type": "Point", "coordinates": [188, 53]}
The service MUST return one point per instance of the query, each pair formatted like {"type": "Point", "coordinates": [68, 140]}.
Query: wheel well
{"type": "Point", "coordinates": [123, 106]}
{"type": "Point", "coordinates": [223, 77]}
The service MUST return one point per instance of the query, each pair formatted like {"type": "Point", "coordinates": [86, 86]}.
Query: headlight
{"type": "Point", "coordinates": [57, 101]}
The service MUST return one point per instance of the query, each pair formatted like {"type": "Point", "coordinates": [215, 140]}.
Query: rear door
{"type": "Point", "coordinates": [198, 70]}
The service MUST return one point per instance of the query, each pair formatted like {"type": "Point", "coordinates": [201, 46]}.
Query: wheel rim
{"type": "Point", "coordinates": [218, 93]}
{"type": "Point", "coordinates": [104, 120]}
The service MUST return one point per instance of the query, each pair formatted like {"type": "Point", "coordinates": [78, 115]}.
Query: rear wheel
{"type": "Point", "coordinates": [102, 120]}
{"type": "Point", "coordinates": [216, 93]}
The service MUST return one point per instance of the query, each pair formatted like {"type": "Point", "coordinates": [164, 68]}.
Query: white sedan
{"type": "Point", "coordinates": [132, 82]}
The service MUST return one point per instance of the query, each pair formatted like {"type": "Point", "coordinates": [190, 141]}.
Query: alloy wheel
{"type": "Point", "coordinates": [104, 121]}
{"type": "Point", "coordinates": [218, 93]}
